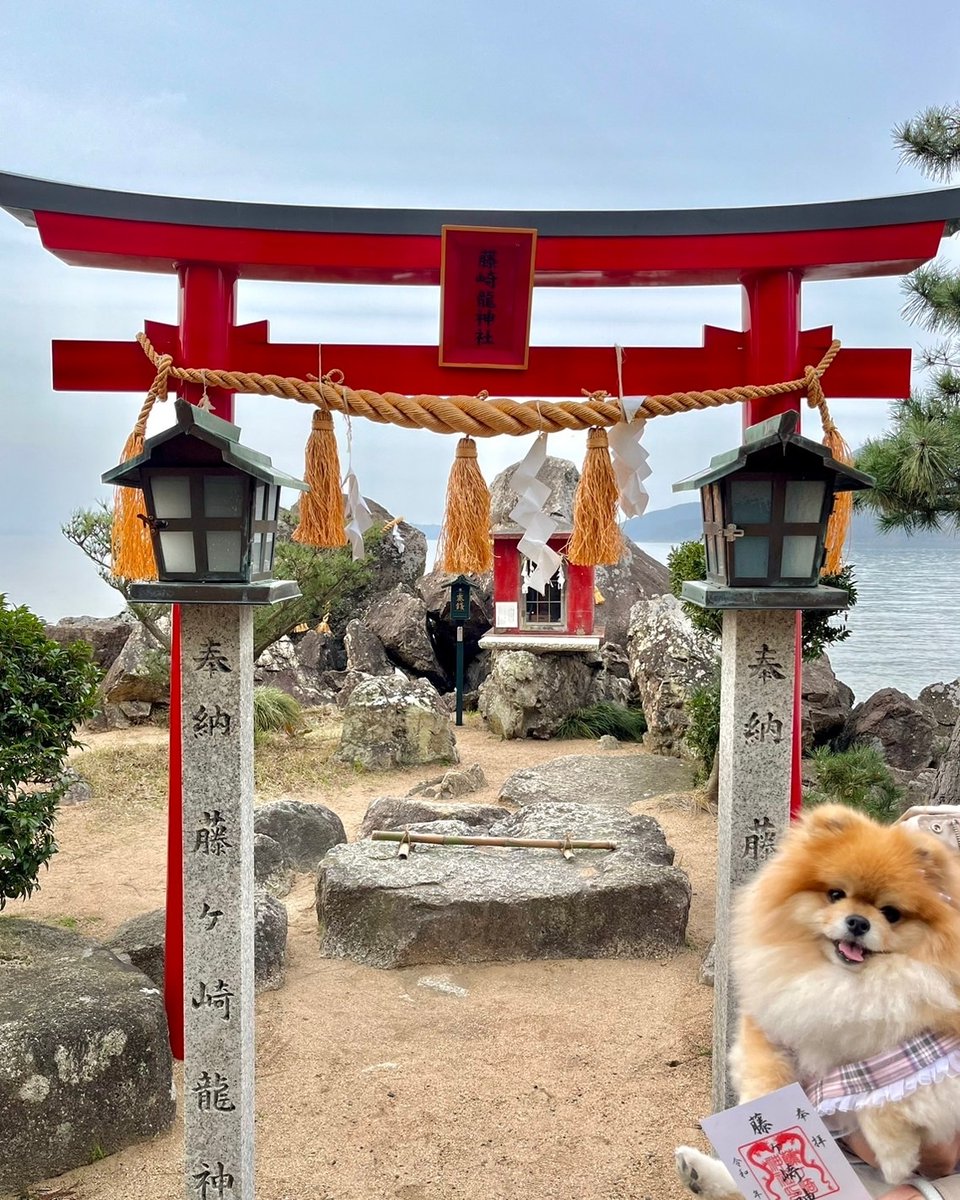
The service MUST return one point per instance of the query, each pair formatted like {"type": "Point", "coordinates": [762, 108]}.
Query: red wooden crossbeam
{"type": "Point", "coordinates": [722, 361]}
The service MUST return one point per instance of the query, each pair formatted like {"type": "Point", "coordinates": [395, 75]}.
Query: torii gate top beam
{"type": "Point", "coordinates": [83, 226]}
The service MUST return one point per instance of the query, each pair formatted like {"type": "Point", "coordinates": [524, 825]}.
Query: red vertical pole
{"type": "Point", "coordinates": [207, 306]}
{"type": "Point", "coordinates": [771, 315]}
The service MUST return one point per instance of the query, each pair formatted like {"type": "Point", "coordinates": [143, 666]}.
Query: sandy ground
{"type": "Point", "coordinates": [545, 1081]}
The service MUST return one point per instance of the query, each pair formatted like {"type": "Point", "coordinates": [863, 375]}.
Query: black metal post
{"type": "Point", "coordinates": [459, 720]}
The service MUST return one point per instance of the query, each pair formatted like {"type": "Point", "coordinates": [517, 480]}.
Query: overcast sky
{"type": "Point", "coordinates": [543, 104]}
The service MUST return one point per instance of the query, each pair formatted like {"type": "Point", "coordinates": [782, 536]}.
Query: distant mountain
{"type": "Point", "coordinates": [683, 523]}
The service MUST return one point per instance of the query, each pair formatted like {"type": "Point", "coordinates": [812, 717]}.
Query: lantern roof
{"type": "Point", "coordinates": [195, 422]}
{"type": "Point", "coordinates": [779, 430]}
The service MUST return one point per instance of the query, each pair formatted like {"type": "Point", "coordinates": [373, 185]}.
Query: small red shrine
{"type": "Point", "coordinates": [562, 613]}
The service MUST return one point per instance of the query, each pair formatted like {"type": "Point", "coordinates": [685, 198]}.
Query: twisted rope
{"type": "Point", "coordinates": [477, 416]}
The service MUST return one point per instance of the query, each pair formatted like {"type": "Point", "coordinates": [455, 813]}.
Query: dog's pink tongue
{"type": "Point", "coordinates": [851, 951]}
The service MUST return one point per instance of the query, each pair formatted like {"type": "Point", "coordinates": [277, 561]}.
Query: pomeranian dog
{"type": "Point", "coordinates": [845, 953]}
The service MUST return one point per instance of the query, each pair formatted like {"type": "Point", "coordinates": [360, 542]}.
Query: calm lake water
{"type": "Point", "coordinates": [905, 626]}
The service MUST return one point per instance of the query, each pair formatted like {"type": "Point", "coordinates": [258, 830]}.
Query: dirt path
{"type": "Point", "coordinates": [566, 1080]}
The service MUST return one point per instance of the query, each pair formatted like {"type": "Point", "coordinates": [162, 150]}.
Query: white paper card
{"type": "Point", "coordinates": [778, 1148]}
{"type": "Point", "coordinates": [506, 614]}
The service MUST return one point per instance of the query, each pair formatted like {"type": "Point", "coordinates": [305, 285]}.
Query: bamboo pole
{"type": "Point", "coordinates": [449, 839]}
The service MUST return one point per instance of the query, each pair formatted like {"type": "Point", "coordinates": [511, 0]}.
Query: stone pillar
{"type": "Point", "coordinates": [217, 725]}
{"type": "Point", "coordinates": [756, 719]}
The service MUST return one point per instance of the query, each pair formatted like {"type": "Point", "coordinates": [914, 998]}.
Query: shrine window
{"type": "Point", "coordinates": [546, 610]}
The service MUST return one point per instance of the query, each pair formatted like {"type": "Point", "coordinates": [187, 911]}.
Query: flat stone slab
{"type": "Point", "coordinates": [449, 904]}
{"type": "Point", "coordinates": [589, 778]}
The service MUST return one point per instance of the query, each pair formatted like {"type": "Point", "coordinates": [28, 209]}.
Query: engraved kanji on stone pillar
{"type": "Point", "coordinates": [756, 720]}
{"type": "Point", "coordinates": [217, 725]}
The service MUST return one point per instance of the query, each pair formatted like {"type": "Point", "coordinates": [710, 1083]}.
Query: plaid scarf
{"type": "Point", "coordinates": [917, 1062]}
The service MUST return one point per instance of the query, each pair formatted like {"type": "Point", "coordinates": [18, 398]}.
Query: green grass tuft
{"type": "Point", "coordinates": [275, 711]}
{"type": "Point", "coordinates": [627, 724]}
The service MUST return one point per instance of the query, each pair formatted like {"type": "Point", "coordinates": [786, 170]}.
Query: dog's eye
{"type": "Point", "coordinates": [835, 894]}
{"type": "Point", "coordinates": [892, 914]}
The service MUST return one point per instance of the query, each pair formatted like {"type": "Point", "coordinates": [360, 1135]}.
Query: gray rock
{"type": "Point", "coordinates": [365, 651]}
{"type": "Point", "coordinates": [529, 695]}
{"type": "Point", "coordinates": [399, 620]}
{"type": "Point", "coordinates": [401, 554]}
{"type": "Point", "coordinates": [611, 676]}
{"type": "Point", "coordinates": [635, 577]}
{"type": "Point", "coordinates": [137, 712]}
{"type": "Point", "coordinates": [608, 742]}
{"type": "Point", "coordinates": [452, 783]}
{"type": "Point", "coordinates": [560, 476]}
{"type": "Point", "coordinates": [466, 904]}
{"type": "Point", "coordinates": [395, 722]}
{"type": "Point", "coordinates": [136, 673]}
{"type": "Point", "coordinates": [669, 660]}
{"type": "Point", "coordinates": [827, 703]}
{"type": "Point", "coordinates": [341, 684]}
{"type": "Point", "coordinates": [294, 665]}
{"type": "Point", "coordinates": [78, 790]}
{"type": "Point", "coordinates": [85, 1067]}
{"type": "Point", "coordinates": [107, 635]}
{"type": "Point", "coordinates": [946, 785]}
{"type": "Point", "coordinates": [903, 728]}
{"type": "Point", "coordinates": [708, 968]}
{"type": "Point", "coordinates": [595, 779]}
{"type": "Point", "coordinates": [401, 812]}
{"type": "Point", "coordinates": [270, 872]}
{"type": "Point", "coordinates": [304, 832]}
{"type": "Point", "coordinates": [141, 941]}
{"type": "Point", "coordinates": [942, 700]}
{"type": "Point", "coordinates": [269, 942]}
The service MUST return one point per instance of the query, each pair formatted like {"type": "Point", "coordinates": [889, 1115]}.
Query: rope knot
{"type": "Point", "coordinates": [466, 448]}
{"type": "Point", "coordinates": [322, 420]}
{"type": "Point", "coordinates": [334, 377]}
{"type": "Point", "coordinates": [597, 439]}
{"type": "Point", "coordinates": [598, 395]}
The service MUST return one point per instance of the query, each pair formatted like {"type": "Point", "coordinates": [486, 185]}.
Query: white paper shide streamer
{"type": "Point", "coordinates": [629, 458]}
{"type": "Point", "coordinates": [356, 515]}
{"type": "Point", "coordinates": [528, 513]}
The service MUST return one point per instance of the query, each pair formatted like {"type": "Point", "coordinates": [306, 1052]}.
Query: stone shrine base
{"type": "Point", "coordinates": [450, 904]}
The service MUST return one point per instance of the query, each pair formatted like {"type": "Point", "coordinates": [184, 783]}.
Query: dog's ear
{"type": "Point", "coordinates": [938, 865]}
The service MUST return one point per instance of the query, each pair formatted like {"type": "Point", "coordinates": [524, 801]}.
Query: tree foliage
{"type": "Point", "coordinates": [688, 560]}
{"type": "Point", "coordinates": [916, 462]}
{"type": "Point", "coordinates": [46, 690]}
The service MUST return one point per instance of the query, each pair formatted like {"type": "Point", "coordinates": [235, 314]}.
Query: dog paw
{"type": "Point", "coordinates": [703, 1175]}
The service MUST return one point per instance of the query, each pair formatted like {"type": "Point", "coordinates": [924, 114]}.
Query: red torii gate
{"type": "Point", "coordinates": [210, 244]}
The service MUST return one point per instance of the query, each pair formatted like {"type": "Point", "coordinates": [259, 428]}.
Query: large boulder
{"type": "Point", "coordinates": [635, 577]}
{"type": "Point", "coordinates": [399, 619]}
{"type": "Point", "coordinates": [138, 682]}
{"type": "Point", "coordinates": [304, 832]}
{"type": "Point", "coordinates": [434, 589]}
{"type": "Point", "coordinates": [270, 872]}
{"type": "Point", "coordinates": [85, 1063]}
{"type": "Point", "coordinates": [827, 703]}
{"type": "Point", "coordinates": [141, 941]}
{"type": "Point", "coordinates": [529, 695]}
{"type": "Point", "coordinates": [942, 701]}
{"type": "Point", "coordinates": [447, 904]}
{"type": "Point", "coordinates": [295, 664]}
{"type": "Point", "coordinates": [903, 729]}
{"type": "Point", "coordinates": [946, 784]}
{"type": "Point", "coordinates": [399, 812]}
{"type": "Point", "coordinates": [107, 635]}
{"type": "Point", "coordinates": [560, 476]}
{"type": "Point", "coordinates": [582, 778]}
{"type": "Point", "coordinates": [611, 680]}
{"type": "Point", "coordinates": [669, 660]}
{"type": "Point", "coordinates": [365, 651]}
{"type": "Point", "coordinates": [400, 556]}
{"type": "Point", "coordinates": [394, 722]}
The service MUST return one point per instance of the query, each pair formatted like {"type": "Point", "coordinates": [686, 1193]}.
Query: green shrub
{"type": "Point", "coordinates": [627, 724]}
{"type": "Point", "coordinates": [275, 711]}
{"type": "Point", "coordinates": [46, 690]}
{"type": "Point", "coordinates": [703, 732]}
{"type": "Point", "coordinates": [858, 776]}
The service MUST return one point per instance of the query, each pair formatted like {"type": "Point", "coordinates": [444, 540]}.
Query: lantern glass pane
{"type": "Point", "coordinates": [256, 553]}
{"type": "Point", "coordinates": [804, 501]}
{"type": "Point", "coordinates": [171, 497]}
{"type": "Point", "coordinates": [273, 504]}
{"type": "Point", "coordinates": [259, 500]}
{"type": "Point", "coordinates": [222, 496]}
{"type": "Point", "coordinates": [223, 551]}
{"type": "Point", "coordinates": [750, 501]}
{"type": "Point", "coordinates": [711, 555]}
{"type": "Point", "coordinates": [178, 554]}
{"type": "Point", "coordinates": [797, 559]}
{"type": "Point", "coordinates": [750, 557]}
{"type": "Point", "coordinates": [268, 552]}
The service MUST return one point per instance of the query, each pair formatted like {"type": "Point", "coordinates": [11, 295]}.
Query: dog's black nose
{"type": "Point", "coordinates": [857, 926]}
